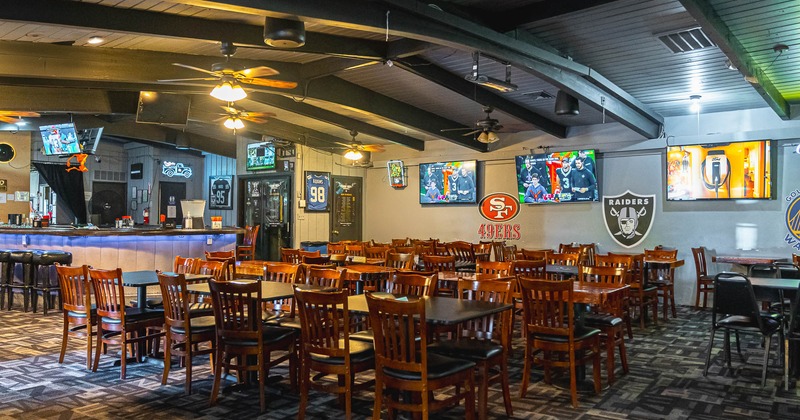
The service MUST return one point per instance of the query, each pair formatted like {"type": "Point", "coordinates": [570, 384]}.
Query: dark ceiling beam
{"type": "Point", "coordinates": [438, 75]}
{"type": "Point", "coordinates": [506, 20]}
{"type": "Point", "coordinates": [416, 20]}
{"type": "Point", "coordinates": [720, 33]}
{"type": "Point", "coordinates": [94, 16]}
{"type": "Point", "coordinates": [6, 81]}
{"type": "Point", "coordinates": [337, 91]}
{"type": "Point", "coordinates": [339, 120]}
{"type": "Point", "coordinates": [67, 100]}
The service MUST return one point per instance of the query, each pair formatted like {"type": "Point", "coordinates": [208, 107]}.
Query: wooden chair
{"type": "Point", "coordinates": [281, 311]}
{"type": "Point", "coordinates": [184, 332]}
{"type": "Point", "coordinates": [663, 279]}
{"type": "Point", "coordinates": [217, 269]}
{"type": "Point", "coordinates": [404, 365]}
{"type": "Point", "coordinates": [400, 261]}
{"type": "Point", "coordinates": [76, 299]}
{"type": "Point", "coordinates": [400, 242]}
{"type": "Point", "coordinates": [588, 251]}
{"type": "Point", "coordinates": [464, 253]}
{"type": "Point", "coordinates": [495, 267]}
{"type": "Point", "coordinates": [641, 296]}
{"type": "Point", "coordinates": [377, 251]}
{"type": "Point", "coordinates": [609, 318]}
{"type": "Point", "coordinates": [247, 250]}
{"type": "Point", "coordinates": [317, 260]}
{"type": "Point", "coordinates": [336, 248]}
{"type": "Point", "coordinates": [220, 255]}
{"type": "Point", "coordinates": [183, 265]}
{"type": "Point", "coordinates": [626, 262]}
{"type": "Point", "coordinates": [509, 253]}
{"type": "Point", "coordinates": [290, 255]}
{"type": "Point", "coordinates": [327, 347]}
{"type": "Point", "coordinates": [118, 324]}
{"type": "Point", "coordinates": [403, 249]}
{"type": "Point", "coordinates": [497, 250]}
{"type": "Point", "coordinates": [484, 249]}
{"type": "Point", "coordinates": [227, 256]}
{"type": "Point", "coordinates": [424, 248]}
{"type": "Point", "coordinates": [536, 254]}
{"type": "Point", "coordinates": [242, 336]}
{"type": "Point", "coordinates": [324, 277]}
{"type": "Point", "coordinates": [536, 269]}
{"type": "Point", "coordinates": [356, 250]}
{"type": "Point", "coordinates": [705, 283]}
{"type": "Point", "coordinates": [441, 250]}
{"type": "Point", "coordinates": [413, 284]}
{"type": "Point", "coordinates": [570, 259]}
{"type": "Point", "coordinates": [439, 263]}
{"type": "Point", "coordinates": [485, 341]}
{"type": "Point", "coordinates": [549, 324]}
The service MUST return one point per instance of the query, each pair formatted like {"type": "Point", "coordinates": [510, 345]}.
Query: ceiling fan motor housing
{"type": "Point", "coordinates": [284, 33]}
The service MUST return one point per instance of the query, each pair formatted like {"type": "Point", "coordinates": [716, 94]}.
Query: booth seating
{"type": "Point", "coordinates": [42, 282]}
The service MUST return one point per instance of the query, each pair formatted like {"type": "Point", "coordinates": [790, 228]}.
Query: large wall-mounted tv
{"type": "Point", "coordinates": [448, 182]}
{"type": "Point", "coordinates": [60, 139]}
{"type": "Point", "coordinates": [260, 156]}
{"type": "Point", "coordinates": [560, 177]}
{"type": "Point", "coordinates": [724, 171]}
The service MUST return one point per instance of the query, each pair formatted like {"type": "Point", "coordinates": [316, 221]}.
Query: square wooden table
{"type": "Point", "coordinates": [441, 310]}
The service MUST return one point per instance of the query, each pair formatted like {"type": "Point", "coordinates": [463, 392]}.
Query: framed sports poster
{"type": "Point", "coordinates": [220, 192]}
{"type": "Point", "coordinates": [317, 190]}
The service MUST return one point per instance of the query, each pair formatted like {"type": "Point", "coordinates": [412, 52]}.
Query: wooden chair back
{"type": "Point", "coordinates": [323, 323]}
{"type": "Point", "coordinates": [324, 277]}
{"type": "Point", "coordinates": [614, 260]}
{"type": "Point", "coordinates": [109, 293]}
{"type": "Point", "coordinates": [400, 242]}
{"type": "Point", "coordinates": [604, 276]}
{"type": "Point", "coordinates": [547, 307]}
{"type": "Point", "coordinates": [317, 260]}
{"type": "Point", "coordinates": [336, 248]}
{"type": "Point", "coordinates": [660, 254]}
{"type": "Point", "coordinates": [403, 249]}
{"type": "Point", "coordinates": [356, 250]}
{"type": "Point", "coordinates": [700, 262]}
{"type": "Point", "coordinates": [502, 268]}
{"type": "Point", "coordinates": [220, 255]}
{"type": "Point", "coordinates": [441, 250]}
{"type": "Point", "coordinates": [424, 248]}
{"type": "Point", "coordinates": [282, 273]}
{"type": "Point", "coordinates": [376, 251]}
{"type": "Point", "coordinates": [400, 334]}
{"type": "Point", "coordinates": [247, 250]}
{"type": "Point", "coordinates": [414, 284]}
{"type": "Point", "coordinates": [484, 249]}
{"type": "Point", "coordinates": [588, 252]}
{"type": "Point", "coordinates": [237, 312]}
{"type": "Point", "coordinates": [217, 269]}
{"type": "Point", "coordinates": [76, 289]}
{"type": "Point", "coordinates": [176, 301]}
{"type": "Point", "coordinates": [530, 268]}
{"type": "Point", "coordinates": [563, 258]}
{"type": "Point", "coordinates": [462, 251]}
{"type": "Point", "coordinates": [498, 251]}
{"type": "Point", "coordinates": [536, 254]}
{"type": "Point", "coordinates": [796, 259]}
{"type": "Point", "coordinates": [400, 261]}
{"type": "Point", "coordinates": [439, 263]}
{"type": "Point", "coordinates": [495, 327]}
{"type": "Point", "coordinates": [509, 253]}
{"type": "Point", "coordinates": [183, 265]}
{"type": "Point", "coordinates": [377, 282]}
{"type": "Point", "coordinates": [570, 248]}
{"type": "Point", "coordinates": [227, 256]}
{"type": "Point", "coordinates": [290, 255]}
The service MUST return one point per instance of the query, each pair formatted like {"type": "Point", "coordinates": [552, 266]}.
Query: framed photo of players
{"type": "Point", "coordinates": [318, 186]}
{"type": "Point", "coordinates": [220, 192]}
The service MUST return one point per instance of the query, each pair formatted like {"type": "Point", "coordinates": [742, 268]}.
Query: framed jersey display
{"type": "Point", "coordinates": [317, 190]}
{"type": "Point", "coordinates": [220, 192]}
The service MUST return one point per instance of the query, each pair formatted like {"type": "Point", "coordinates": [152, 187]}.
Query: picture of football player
{"type": "Point", "coordinates": [465, 186]}
{"type": "Point", "coordinates": [582, 182]}
{"type": "Point", "coordinates": [535, 193]}
{"type": "Point", "coordinates": [565, 185]}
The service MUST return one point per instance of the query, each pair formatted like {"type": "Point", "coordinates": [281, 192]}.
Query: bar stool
{"type": "Point", "coordinates": [24, 257]}
{"type": "Point", "coordinates": [5, 278]}
{"type": "Point", "coordinates": [42, 264]}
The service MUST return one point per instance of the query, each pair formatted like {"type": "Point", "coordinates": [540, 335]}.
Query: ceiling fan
{"type": "Point", "coordinates": [233, 117]}
{"type": "Point", "coordinates": [355, 147]}
{"type": "Point", "coordinates": [230, 76]}
{"type": "Point", "coordinates": [15, 117]}
{"type": "Point", "coordinates": [487, 128]}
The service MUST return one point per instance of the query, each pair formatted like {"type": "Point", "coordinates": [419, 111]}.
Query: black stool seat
{"type": "Point", "coordinates": [42, 263]}
{"type": "Point", "coordinates": [24, 257]}
{"type": "Point", "coordinates": [5, 278]}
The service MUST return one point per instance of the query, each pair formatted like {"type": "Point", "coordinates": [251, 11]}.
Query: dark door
{"type": "Point", "coordinates": [268, 202]}
{"type": "Point", "coordinates": [171, 194]}
{"type": "Point", "coordinates": [346, 208]}
{"type": "Point", "coordinates": [109, 202]}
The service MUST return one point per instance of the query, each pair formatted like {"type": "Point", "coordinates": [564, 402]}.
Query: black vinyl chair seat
{"type": "Point", "coordinates": [360, 351]}
{"type": "Point", "coordinates": [135, 315]}
{"type": "Point", "coordinates": [605, 320]}
{"type": "Point", "coordinates": [467, 349]}
{"type": "Point", "coordinates": [771, 323]}
{"type": "Point", "coordinates": [581, 333]}
{"type": "Point", "coordinates": [51, 257]}
{"type": "Point", "coordinates": [438, 367]}
{"type": "Point", "coordinates": [199, 325]}
{"type": "Point", "coordinates": [270, 334]}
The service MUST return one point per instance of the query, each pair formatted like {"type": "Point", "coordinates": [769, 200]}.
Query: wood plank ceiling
{"type": "Point", "coordinates": [394, 69]}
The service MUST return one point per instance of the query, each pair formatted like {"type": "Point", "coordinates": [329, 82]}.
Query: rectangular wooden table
{"type": "Point", "coordinates": [141, 279]}
{"type": "Point", "coordinates": [270, 290]}
{"type": "Point", "coordinates": [744, 260]}
{"type": "Point", "coordinates": [442, 310]}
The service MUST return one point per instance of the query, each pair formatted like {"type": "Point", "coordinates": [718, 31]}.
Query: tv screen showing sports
{"type": "Point", "coordinates": [60, 139]}
{"type": "Point", "coordinates": [448, 182]}
{"type": "Point", "coordinates": [719, 171]}
{"type": "Point", "coordinates": [260, 156]}
{"type": "Point", "coordinates": [560, 177]}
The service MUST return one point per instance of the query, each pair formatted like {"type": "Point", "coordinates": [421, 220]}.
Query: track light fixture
{"type": "Point", "coordinates": [490, 82]}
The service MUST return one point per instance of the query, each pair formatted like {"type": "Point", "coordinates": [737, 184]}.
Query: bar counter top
{"type": "Point", "coordinates": [135, 231]}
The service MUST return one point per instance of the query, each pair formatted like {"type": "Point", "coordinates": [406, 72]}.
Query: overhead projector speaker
{"type": "Point", "coordinates": [7, 153]}
{"type": "Point", "coordinates": [284, 33]}
{"type": "Point", "coordinates": [566, 104]}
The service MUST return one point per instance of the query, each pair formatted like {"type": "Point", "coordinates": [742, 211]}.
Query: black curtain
{"type": "Point", "coordinates": [68, 186]}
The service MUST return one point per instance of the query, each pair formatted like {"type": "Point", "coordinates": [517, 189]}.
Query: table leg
{"type": "Point", "coordinates": [141, 297]}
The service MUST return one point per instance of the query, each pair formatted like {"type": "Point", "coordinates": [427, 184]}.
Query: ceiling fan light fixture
{"type": "Point", "coordinates": [284, 33]}
{"type": "Point", "coordinates": [353, 154]}
{"type": "Point", "coordinates": [695, 103]}
{"type": "Point", "coordinates": [233, 123]}
{"type": "Point", "coordinates": [228, 90]}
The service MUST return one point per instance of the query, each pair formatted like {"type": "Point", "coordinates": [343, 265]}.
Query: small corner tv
{"type": "Point", "coordinates": [260, 156]}
{"type": "Point", "coordinates": [448, 182]}
{"type": "Point", "coordinates": [60, 139]}
{"type": "Point", "coordinates": [560, 177]}
{"type": "Point", "coordinates": [720, 171]}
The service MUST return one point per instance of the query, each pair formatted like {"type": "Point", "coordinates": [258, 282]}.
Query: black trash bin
{"type": "Point", "coordinates": [312, 246]}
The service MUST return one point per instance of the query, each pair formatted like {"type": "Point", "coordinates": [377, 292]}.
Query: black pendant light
{"type": "Point", "coordinates": [566, 104]}
{"type": "Point", "coordinates": [284, 33]}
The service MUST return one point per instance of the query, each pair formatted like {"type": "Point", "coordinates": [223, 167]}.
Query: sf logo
{"type": "Point", "coordinates": [499, 207]}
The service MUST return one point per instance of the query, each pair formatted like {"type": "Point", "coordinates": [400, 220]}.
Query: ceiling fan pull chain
{"type": "Point", "coordinates": [387, 25]}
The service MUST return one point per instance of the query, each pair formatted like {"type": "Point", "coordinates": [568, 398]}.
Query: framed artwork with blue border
{"type": "Point", "coordinates": [318, 187]}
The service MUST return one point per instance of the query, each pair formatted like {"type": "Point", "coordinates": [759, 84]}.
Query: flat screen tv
{"type": "Point", "coordinates": [260, 156]}
{"type": "Point", "coordinates": [89, 138]}
{"type": "Point", "coordinates": [720, 171]}
{"type": "Point", "coordinates": [60, 139]}
{"type": "Point", "coordinates": [448, 182]}
{"type": "Point", "coordinates": [560, 177]}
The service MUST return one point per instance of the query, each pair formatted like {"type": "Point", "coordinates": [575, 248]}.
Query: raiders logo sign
{"type": "Point", "coordinates": [629, 217]}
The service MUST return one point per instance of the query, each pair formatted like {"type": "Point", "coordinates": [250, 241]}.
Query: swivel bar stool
{"type": "Point", "coordinates": [42, 264]}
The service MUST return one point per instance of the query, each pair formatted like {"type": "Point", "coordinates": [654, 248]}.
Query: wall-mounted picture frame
{"type": "Point", "coordinates": [397, 173]}
{"type": "Point", "coordinates": [318, 185]}
{"type": "Point", "coordinates": [145, 196]}
{"type": "Point", "coordinates": [133, 204]}
{"type": "Point", "coordinates": [133, 192]}
{"type": "Point", "coordinates": [220, 192]}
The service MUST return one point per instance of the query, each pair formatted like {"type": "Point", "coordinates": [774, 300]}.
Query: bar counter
{"type": "Point", "coordinates": [131, 249]}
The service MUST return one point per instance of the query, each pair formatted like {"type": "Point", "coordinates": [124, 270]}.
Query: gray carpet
{"type": "Point", "coordinates": [665, 382]}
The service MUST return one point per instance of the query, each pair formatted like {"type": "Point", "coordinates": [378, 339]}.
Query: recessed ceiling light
{"type": "Point", "coordinates": [96, 40]}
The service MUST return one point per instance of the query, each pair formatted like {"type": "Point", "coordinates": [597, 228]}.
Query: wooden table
{"type": "Point", "coordinates": [662, 263]}
{"type": "Point", "coordinates": [442, 310]}
{"type": "Point", "coordinates": [358, 273]}
{"type": "Point", "coordinates": [141, 279]}
{"type": "Point", "coordinates": [744, 260]}
{"type": "Point", "coordinates": [459, 275]}
{"type": "Point", "coordinates": [270, 290]}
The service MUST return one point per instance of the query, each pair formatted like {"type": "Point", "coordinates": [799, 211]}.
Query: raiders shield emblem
{"type": "Point", "coordinates": [629, 217]}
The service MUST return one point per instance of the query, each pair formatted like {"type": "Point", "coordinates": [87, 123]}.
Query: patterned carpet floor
{"type": "Point", "coordinates": [665, 382]}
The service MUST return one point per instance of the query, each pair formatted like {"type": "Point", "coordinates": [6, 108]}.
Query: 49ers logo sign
{"type": "Point", "coordinates": [499, 208]}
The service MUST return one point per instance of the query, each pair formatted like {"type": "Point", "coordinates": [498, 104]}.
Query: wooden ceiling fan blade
{"type": "Point", "coordinates": [229, 109]}
{"type": "Point", "coordinates": [454, 129]}
{"type": "Point", "coordinates": [186, 66]}
{"type": "Point", "coordinates": [250, 114]}
{"type": "Point", "coordinates": [373, 148]}
{"type": "Point", "coordinates": [21, 114]}
{"type": "Point", "coordinates": [472, 132]}
{"type": "Point", "coordinates": [192, 79]}
{"type": "Point", "coordinates": [260, 71]}
{"type": "Point", "coordinates": [8, 119]}
{"type": "Point", "coordinates": [280, 84]}
{"type": "Point", "coordinates": [255, 120]}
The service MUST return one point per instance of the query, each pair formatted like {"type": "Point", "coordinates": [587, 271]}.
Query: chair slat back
{"type": "Point", "coordinates": [603, 276]}
{"type": "Point", "coordinates": [223, 255]}
{"type": "Point", "coordinates": [509, 253]}
{"type": "Point", "coordinates": [563, 258]}
{"type": "Point", "coordinates": [282, 273]}
{"type": "Point", "coordinates": [317, 259]}
{"type": "Point", "coordinates": [536, 254]}
{"type": "Point", "coordinates": [400, 261]}
{"type": "Point", "coordinates": [217, 269]}
{"type": "Point", "coordinates": [491, 327]}
{"type": "Point", "coordinates": [335, 248]}
{"type": "Point", "coordinates": [439, 262]}
{"type": "Point", "coordinates": [356, 250]}
{"type": "Point", "coordinates": [498, 250]}
{"type": "Point", "coordinates": [323, 322]}
{"type": "Point", "coordinates": [414, 284]}
{"type": "Point", "coordinates": [700, 264]}
{"type": "Point", "coordinates": [237, 312]}
{"type": "Point", "coordinates": [400, 242]}
{"type": "Point", "coordinates": [324, 277]}
{"type": "Point", "coordinates": [396, 326]}
{"type": "Point", "coordinates": [502, 268]}
{"type": "Point", "coordinates": [377, 282]}
{"type": "Point", "coordinates": [183, 265]}
{"type": "Point", "coordinates": [661, 254]}
{"type": "Point", "coordinates": [290, 255]}
{"type": "Point", "coordinates": [109, 293]}
{"type": "Point", "coordinates": [463, 251]}
{"type": "Point", "coordinates": [547, 306]}
{"type": "Point", "coordinates": [377, 251]}
{"type": "Point", "coordinates": [75, 287]}
{"type": "Point", "coordinates": [175, 298]}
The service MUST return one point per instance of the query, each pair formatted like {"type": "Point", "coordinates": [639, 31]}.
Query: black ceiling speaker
{"type": "Point", "coordinates": [566, 104]}
{"type": "Point", "coordinates": [284, 33]}
{"type": "Point", "coordinates": [7, 152]}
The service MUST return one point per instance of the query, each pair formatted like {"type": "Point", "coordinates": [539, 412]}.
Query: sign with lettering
{"type": "Point", "coordinates": [629, 217]}
{"type": "Point", "coordinates": [499, 208]}
{"type": "Point", "coordinates": [317, 190]}
{"type": "Point", "coordinates": [220, 192]}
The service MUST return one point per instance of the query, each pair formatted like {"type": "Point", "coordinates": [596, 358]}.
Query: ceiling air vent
{"type": "Point", "coordinates": [686, 40]}
{"type": "Point", "coordinates": [539, 95]}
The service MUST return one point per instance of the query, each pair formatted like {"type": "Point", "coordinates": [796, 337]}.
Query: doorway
{"type": "Point", "coordinates": [267, 201]}
{"type": "Point", "coordinates": [346, 208]}
{"type": "Point", "coordinates": [169, 201]}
